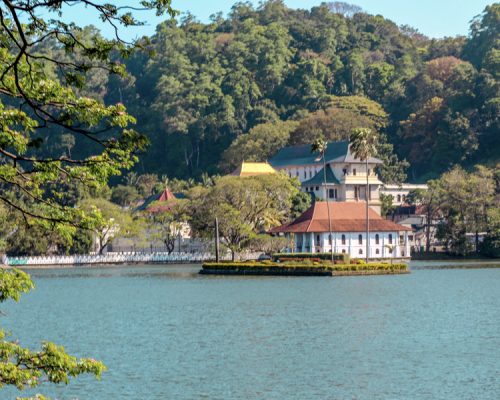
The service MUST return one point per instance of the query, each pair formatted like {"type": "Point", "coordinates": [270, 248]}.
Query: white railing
{"type": "Point", "coordinates": [111, 258]}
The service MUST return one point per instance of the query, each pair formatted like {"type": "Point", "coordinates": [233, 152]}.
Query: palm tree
{"type": "Point", "coordinates": [363, 146]}
{"type": "Point", "coordinates": [320, 146]}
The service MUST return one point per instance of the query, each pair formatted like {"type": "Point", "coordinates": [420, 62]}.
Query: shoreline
{"type": "Point", "coordinates": [424, 264]}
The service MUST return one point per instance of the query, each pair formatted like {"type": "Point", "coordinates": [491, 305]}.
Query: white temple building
{"type": "Point", "coordinates": [310, 233]}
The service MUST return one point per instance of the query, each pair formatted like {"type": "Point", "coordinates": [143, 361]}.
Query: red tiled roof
{"type": "Point", "coordinates": [166, 195]}
{"type": "Point", "coordinates": [345, 217]}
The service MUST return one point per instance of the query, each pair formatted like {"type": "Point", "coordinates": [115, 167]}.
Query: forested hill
{"type": "Point", "coordinates": [241, 86]}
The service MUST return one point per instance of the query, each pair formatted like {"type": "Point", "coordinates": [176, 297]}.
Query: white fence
{"type": "Point", "coordinates": [111, 258]}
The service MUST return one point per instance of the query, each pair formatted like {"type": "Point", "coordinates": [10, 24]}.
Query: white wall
{"type": "Point", "coordinates": [352, 246]}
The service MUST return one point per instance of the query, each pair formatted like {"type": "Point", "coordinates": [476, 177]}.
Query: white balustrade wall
{"type": "Point", "coordinates": [111, 258]}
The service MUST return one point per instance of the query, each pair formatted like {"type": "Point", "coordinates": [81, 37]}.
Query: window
{"type": "Point", "coordinates": [401, 239]}
{"type": "Point", "coordinates": [404, 197]}
{"type": "Point", "coordinates": [360, 239]}
{"type": "Point", "coordinates": [390, 238]}
{"type": "Point", "coordinates": [344, 171]}
{"type": "Point", "coordinates": [297, 174]}
{"type": "Point", "coordinates": [343, 251]}
{"type": "Point", "coordinates": [317, 188]}
{"type": "Point", "coordinates": [399, 198]}
{"type": "Point", "coordinates": [317, 240]}
{"type": "Point", "coordinates": [356, 192]}
{"type": "Point", "coordinates": [360, 251]}
{"type": "Point", "coordinates": [331, 193]}
{"type": "Point", "coordinates": [377, 251]}
{"type": "Point", "coordinates": [330, 239]}
{"type": "Point", "coordinates": [310, 174]}
{"type": "Point", "coordinates": [305, 175]}
{"type": "Point", "coordinates": [343, 239]}
{"type": "Point", "coordinates": [390, 251]}
{"type": "Point", "coordinates": [354, 171]}
{"type": "Point", "coordinates": [410, 238]}
{"type": "Point", "coordinates": [369, 171]}
{"type": "Point", "coordinates": [377, 239]}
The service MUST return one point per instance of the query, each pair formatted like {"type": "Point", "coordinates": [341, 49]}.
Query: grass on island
{"type": "Point", "coordinates": [304, 264]}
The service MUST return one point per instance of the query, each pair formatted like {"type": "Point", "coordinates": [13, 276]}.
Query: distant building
{"type": "Point", "coordinates": [158, 202]}
{"type": "Point", "coordinates": [247, 169]}
{"type": "Point", "coordinates": [162, 202]}
{"type": "Point", "coordinates": [399, 193]}
{"type": "Point", "coordinates": [345, 174]}
{"type": "Point", "coordinates": [309, 233]}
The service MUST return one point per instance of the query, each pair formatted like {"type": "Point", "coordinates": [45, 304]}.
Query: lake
{"type": "Point", "coordinates": [164, 332]}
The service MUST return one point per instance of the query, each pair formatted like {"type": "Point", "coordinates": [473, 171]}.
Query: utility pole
{"type": "Point", "coordinates": [216, 239]}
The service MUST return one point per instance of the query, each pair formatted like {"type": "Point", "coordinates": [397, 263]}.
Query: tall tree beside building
{"type": "Point", "coordinates": [363, 146]}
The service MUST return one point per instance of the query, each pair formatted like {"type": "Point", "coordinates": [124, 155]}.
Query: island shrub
{"type": "Point", "coordinates": [288, 266]}
{"type": "Point", "coordinates": [321, 256]}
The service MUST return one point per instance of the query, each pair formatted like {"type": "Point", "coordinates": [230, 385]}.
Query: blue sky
{"type": "Point", "coordinates": [434, 18]}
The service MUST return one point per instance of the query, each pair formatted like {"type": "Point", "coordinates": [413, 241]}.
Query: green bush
{"type": "Point", "coordinates": [323, 256]}
{"type": "Point", "coordinates": [288, 266]}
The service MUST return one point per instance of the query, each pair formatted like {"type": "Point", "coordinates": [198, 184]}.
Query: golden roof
{"type": "Point", "coordinates": [253, 169]}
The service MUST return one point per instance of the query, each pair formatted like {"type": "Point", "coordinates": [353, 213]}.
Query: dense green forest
{"type": "Point", "coordinates": [241, 86]}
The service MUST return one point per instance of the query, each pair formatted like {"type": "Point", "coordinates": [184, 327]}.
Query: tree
{"type": "Point", "coordinates": [168, 223]}
{"type": "Point", "coordinates": [386, 207]}
{"type": "Point", "coordinates": [300, 203]}
{"type": "Point", "coordinates": [363, 146]}
{"type": "Point", "coordinates": [259, 144]}
{"type": "Point", "coordinates": [25, 368]}
{"type": "Point", "coordinates": [124, 196]}
{"type": "Point", "coordinates": [110, 221]}
{"type": "Point", "coordinates": [484, 33]}
{"type": "Point", "coordinates": [34, 104]}
{"type": "Point", "coordinates": [319, 146]}
{"type": "Point", "coordinates": [244, 208]}
{"type": "Point", "coordinates": [268, 244]}
{"type": "Point", "coordinates": [346, 9]}
{"type": "Point", "coordinates": [430, 201]}
{"type": "Point", "coordinates": [466, 198]}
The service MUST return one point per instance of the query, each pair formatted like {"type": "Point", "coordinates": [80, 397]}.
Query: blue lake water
{"type": "Point", "coordinates": [165, 332]}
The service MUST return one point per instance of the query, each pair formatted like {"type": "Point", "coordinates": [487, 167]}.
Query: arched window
{"type": "Point", "coordinates": [377, 251]}
{"type": "Point", "coordinates": [343, 251]}
{"type": "Point", "coordinates": [377, 239]}
{"type": "Point", "coordinates": [330, 193]}
{"type": "Point", "coordinates": [305, 175]}
{"type": "Point", "coordinates": [343, 239]}
{"type": "Point", "coordinates": [390, 238]}
{"type": "Point", "coordinates": [360, 239]}
{"type": "Point", "coordinates": [317, 240]}
{"type": "Point", "coordinates": [360, 251]}
{"type": "Point", "coordinates": [330, 239]}
{"type": "Point", "coordinates": [399, 198]}
{"type": "Point", "coordinates": [354, 171]}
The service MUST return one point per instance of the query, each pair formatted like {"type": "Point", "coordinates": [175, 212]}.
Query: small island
{"type": "Point", "coordinates": [304, 264]}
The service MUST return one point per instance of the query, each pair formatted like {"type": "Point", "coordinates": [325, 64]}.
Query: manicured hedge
{"type": "Point", "coordinates": [269, 266]}
{"type": "Point", "coordinates": [323, 256]}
